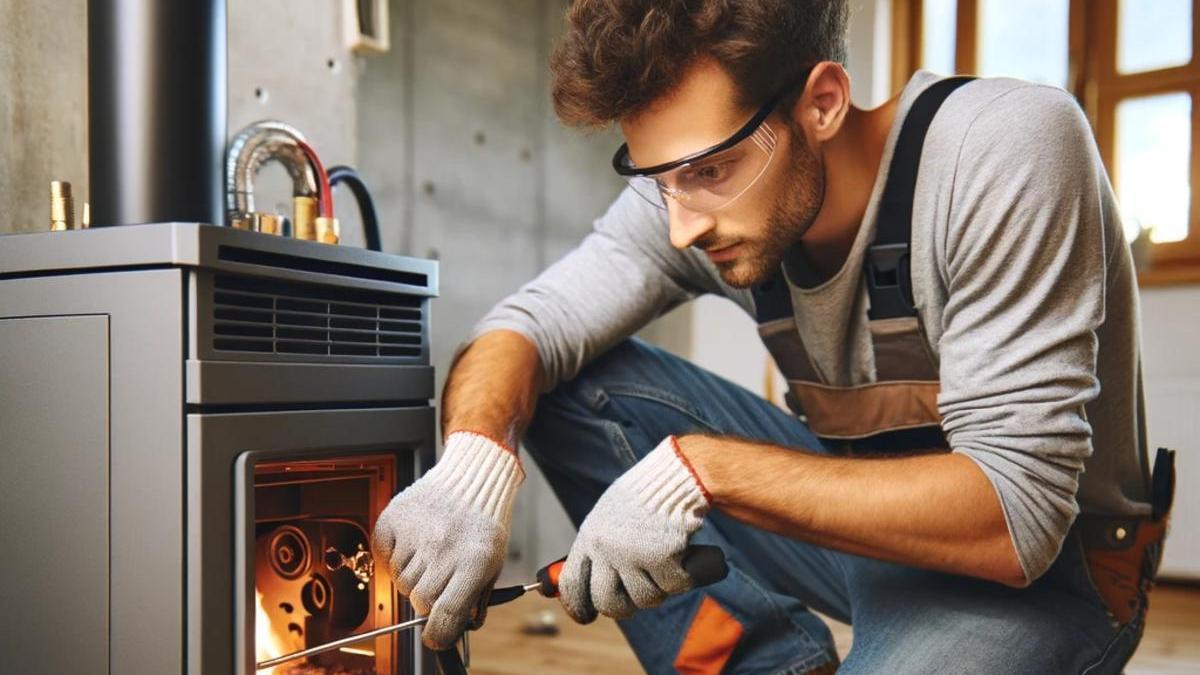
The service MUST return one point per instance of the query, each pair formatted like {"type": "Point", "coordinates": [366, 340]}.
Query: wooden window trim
{"type": "Point", "coordinates": [1104, 88]}
{"type": "Point", "coordinates": [1095, 82]}
{"type": "Point", "coordinates": [906, 41]}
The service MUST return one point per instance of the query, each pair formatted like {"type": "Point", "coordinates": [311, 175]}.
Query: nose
{"type": "Point", "coordinates": [687, 226]}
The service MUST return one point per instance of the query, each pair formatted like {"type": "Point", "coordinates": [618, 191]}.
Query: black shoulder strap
{"type": "Point", "coordinates": [889, 281]}
{"type": "Point", "coordinates": [886, 267]}
{"type": "Point", "coordinates": [772, 299]}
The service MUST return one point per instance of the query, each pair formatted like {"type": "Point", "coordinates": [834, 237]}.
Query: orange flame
{"type": "Point", "coordinates": [267, 643]}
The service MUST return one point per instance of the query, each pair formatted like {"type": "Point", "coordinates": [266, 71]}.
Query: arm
{"type": "Point", "coordinates": [623, 275]}
{"type": "Point", "coordinates": [933, 511]}
{"type": "Point", "coordinates": [444, 537]}
{"type": "Point", "coordinates": [493, 387]}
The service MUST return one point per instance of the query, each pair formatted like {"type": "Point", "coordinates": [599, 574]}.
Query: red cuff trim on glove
{"type": "Point", "coordinates": [691, 469]}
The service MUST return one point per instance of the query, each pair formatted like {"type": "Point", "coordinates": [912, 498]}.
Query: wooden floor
{"type": "Point", "coordinates": [1171, 644]}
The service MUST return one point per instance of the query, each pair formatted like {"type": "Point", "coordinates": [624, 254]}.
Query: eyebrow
{"type": "Point", "coordinates": [629, 169]}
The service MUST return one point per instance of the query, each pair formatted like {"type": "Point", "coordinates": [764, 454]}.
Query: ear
{"type": "Point", "coordinates": [822, 106]}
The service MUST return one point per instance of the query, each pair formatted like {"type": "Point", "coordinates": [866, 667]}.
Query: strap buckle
{"type": "Point", "coordinates": [888, 281]}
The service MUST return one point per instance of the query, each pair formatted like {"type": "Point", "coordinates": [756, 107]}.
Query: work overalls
{"type": "Point", "coordinates": [898, 412]}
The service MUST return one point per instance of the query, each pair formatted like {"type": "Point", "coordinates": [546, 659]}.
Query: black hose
{"type": "Point", "coordinates": [366, 207]}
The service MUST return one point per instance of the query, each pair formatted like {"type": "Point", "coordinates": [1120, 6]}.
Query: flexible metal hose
{"type": "Point", "coordinates": [254, 146]}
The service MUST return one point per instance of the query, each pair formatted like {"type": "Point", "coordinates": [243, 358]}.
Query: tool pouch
{"type": "Point", "coordinates": [1123, 553]}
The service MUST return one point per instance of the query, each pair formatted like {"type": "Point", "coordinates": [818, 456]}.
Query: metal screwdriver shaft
{"type": "Point", "coordinates": [349, 640]}
{"type": "Point", "coordinates": [704, 564]}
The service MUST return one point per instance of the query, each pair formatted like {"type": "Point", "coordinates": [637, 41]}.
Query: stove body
{"type": "Point", "coordinates": [198, 428]}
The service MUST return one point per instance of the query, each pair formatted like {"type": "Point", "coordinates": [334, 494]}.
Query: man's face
{"type": "Point", "coordinates": [746, 240]}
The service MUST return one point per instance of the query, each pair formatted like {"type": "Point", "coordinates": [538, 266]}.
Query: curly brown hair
{"type": "Point", "coordinates": [617, 56]}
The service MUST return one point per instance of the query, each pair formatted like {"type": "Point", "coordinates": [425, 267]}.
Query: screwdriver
{"type": "Point", "coordinates": [705, 565]}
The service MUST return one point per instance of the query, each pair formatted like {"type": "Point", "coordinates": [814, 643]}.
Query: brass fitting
{"type": "Point", "coordinates": [62, 207]}
{"type": "Point", "coordinates": [85, 221]}
{"type": "Point", "coordinates": [268, 223]}
{"type": "Point", "coordinates": [328, 230]}
{"type": "Point", "coordinates": [304, 217]}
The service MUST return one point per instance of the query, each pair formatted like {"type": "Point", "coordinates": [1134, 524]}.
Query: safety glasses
{"type": "Point", "coordinates": [712, 178]}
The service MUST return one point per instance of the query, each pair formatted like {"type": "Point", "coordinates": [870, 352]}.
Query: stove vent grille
{"type": "Point", "coordinates": [252, 314]}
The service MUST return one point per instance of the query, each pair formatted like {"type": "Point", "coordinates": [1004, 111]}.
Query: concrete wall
{"type": "Point", "coordinates": [286, 60]}
{"type": "Point", "coordinates": [452, 128]}
{"type": "Point", "coordinates": [1170, 333]}
{"type": "Point", "coordinates": [456, 130]}
{"type": "Point", "coordinates": [469, 165]}
{"type": "Point", "coordinates": [43, 95]}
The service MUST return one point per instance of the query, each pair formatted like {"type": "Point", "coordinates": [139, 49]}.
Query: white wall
{"type": "Point", "coordinates": [1170, 336]}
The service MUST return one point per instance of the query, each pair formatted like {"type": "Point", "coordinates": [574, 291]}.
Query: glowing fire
{"type": "Point", "coordinates": [267, 644]}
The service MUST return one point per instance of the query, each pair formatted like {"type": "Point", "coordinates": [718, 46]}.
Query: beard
{"type": "Point", "coordinates": [801, 194]}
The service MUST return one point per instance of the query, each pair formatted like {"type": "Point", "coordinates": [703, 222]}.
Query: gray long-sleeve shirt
{"type": "Point", "coordinates": [1023, 282]}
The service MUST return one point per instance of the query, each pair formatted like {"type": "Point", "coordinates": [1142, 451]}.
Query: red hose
{"type": "Point", "coordinates": [325, 194]}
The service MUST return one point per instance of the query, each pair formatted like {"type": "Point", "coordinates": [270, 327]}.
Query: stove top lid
{"type": "Point", "coordinates": [226, 249]}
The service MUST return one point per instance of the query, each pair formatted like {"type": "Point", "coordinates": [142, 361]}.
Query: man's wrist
{"type": "Point", "coordinates": [696, 451]}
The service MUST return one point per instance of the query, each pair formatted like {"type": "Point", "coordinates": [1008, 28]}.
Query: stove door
{"type": "Point", "coordinates": [280, 511]}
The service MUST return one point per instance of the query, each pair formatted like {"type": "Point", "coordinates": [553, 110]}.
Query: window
{"type": "Point", "coordinates": [1132, 66]}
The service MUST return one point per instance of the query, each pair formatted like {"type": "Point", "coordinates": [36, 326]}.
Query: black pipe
{"type": "Point", "coordinates": [157, 110]}
{"type": "Point", "coordinates": [366, 206]}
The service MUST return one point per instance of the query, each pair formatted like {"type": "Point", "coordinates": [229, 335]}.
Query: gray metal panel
{"type": "Point", "coordinates": [145, 311]}
{"type": "Point", "coordinates": [195, 245]}
{"type": "Point", "coordinates": [54, 494]}
{"type": "Point", "coordinates": [214, 444]}
{"type": "Point", "coordinates": [226, 382]}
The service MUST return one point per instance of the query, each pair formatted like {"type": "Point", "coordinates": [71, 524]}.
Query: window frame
{"type": "Point", "coordinates": [1095, 82]}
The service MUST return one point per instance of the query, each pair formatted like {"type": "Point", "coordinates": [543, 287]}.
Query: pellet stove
{"type": "Point", "coordinates": [198, 428]}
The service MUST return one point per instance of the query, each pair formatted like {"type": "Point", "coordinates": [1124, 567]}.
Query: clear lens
{"type": "Point", "coordinates": [715, 181]}
{"type": "Point", "coordinates": [648, 189]}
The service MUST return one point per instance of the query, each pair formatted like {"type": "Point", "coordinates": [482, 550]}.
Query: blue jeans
{"type": "Point", "coordinates": [905, 620]}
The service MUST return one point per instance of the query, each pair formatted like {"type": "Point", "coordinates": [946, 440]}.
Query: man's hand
{"type": "Point", "coordinates": [629, 549]}
{"type": "Point", "coordinates": [445, 536]}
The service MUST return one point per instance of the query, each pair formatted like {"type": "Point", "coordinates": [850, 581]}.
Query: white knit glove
{"type": "Point", "coordinates": [445, 536]}
{"type": "Point", "coordinates": [628, 553]}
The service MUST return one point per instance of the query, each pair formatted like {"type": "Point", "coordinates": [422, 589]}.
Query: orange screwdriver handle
{"type": "Point", "coordinates": [548, 578]}
{"type": "Point", "coordinates": [705, 564]}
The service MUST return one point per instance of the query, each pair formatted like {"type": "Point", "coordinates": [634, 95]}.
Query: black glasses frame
{"type": "Point", "coordinates": [624, 166]}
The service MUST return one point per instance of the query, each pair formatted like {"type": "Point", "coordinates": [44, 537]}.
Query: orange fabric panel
{"type": "Point", "coordinates": [710, 640]}
{"type": "Point", "coordinates": [865, 410]}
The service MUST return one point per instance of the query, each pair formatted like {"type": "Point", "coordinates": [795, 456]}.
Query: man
{"type": "Point", "coordinates": [953, 390]}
